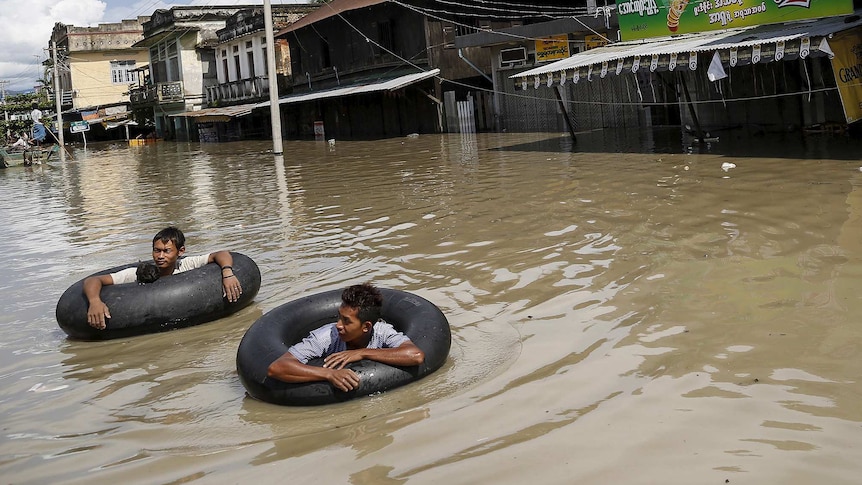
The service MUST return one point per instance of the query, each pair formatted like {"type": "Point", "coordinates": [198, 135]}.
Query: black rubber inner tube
{"type": "Point", "coordinates": [181, 300]}
{"type": "Point", "coordinates": [271, 335]}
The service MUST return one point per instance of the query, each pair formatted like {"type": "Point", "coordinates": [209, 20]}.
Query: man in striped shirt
{"type": "Point", "coordinates": [358, 334]}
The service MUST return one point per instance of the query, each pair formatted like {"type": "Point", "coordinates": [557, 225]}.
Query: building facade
{"type": "Point", "coordinates": [96, 68]}
{"type": "Point", "coordinates": [181, 43]}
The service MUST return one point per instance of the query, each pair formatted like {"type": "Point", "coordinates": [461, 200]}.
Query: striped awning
{"type": "Point", "coordinates": [750, 45]}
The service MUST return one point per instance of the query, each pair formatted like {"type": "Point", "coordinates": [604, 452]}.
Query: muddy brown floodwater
{"type": "Point", "coordinates": [624, 310]}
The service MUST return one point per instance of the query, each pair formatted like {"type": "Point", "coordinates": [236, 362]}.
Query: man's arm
{"type": "Point", "coordinates": [405, 355]}
{"type": "Point", "coordinates": [232, 286]}
{"type": "Point", "coordinates": [97, 311]}
{"type": "Point", "coordinates": [288, 368]}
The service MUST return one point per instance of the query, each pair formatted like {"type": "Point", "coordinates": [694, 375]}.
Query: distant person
{"type": "Point", "coordinates": [168, 245]}
{"type": "Point", "coordinates": [22, 142]}
{"type": "Point", "coordinates": [358, 334]}
{"type": "Point", "coordinates": [36, 113]}
{"type": "Point", "coordinates": [39, 132]}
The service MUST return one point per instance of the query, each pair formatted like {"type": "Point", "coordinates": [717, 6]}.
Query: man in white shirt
{"type": "Point", "coordinates": [168, 245]}
{"type": "Point", "coordinates": [39, 131]}
{"type": "Point", "coordinates": [36, 114]}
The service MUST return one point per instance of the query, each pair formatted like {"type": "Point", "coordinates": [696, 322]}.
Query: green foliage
{"type": "Point", "coordinates": [19, 104]}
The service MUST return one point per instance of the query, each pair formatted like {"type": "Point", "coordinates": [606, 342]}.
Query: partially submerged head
{"type": "Point", "coordinates": [168, 245]}
{"type": "Point", "coordinates": [147, 273]}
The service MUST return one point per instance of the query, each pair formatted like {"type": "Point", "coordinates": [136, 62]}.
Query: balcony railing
{"type": "Point", "coordinates": [242, 90]}
{"type": "Point", "coordinates": [161, 93]}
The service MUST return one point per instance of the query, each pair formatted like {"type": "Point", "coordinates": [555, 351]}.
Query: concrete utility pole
{"type": "Point", "coordinates": [5, 113]}
{"type": "Point", "coordinates": [58, 96]}
{"type": "Point", "coordinates": [274, 108]}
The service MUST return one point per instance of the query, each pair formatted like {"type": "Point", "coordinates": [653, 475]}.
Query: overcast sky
{"type": "Point", "coordinates": [26, 25]}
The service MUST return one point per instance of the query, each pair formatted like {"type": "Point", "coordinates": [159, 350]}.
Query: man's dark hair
{"type": "Point", "coordinates": [147, 272]}
{"type": "Point", "coordinates": [171, 234]}
{"type": "Point", "coordinates": [366, 298]}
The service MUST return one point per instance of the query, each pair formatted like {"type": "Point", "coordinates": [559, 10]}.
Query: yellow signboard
{"type": "Point", "coordinates": [847, 65]}
{"type": "Point", "coordinates": [552, 48]}
{"type": "Point", "coordinates": [592, 41]}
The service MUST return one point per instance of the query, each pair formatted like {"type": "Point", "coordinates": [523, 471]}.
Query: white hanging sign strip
{"type": "Point", "coordinates": [671, 65]}
{"type": "Point", "coordinates": [653, 65]}
{"type": "Point", "coordinates": [755, 54]}
{"type": "Point", "coordinates": [563, 78]}
{"type": "Point", "coordinates": [734, 56]}
{"type": "Point", "coordinates": [779, 50]}
{"type": "Point", "coordinates": [550, 80]}
{"type": "Point", "coordinates": [576, 76]}
{"type": "Point", "coordinates": [805, 47]}
{"type": "Point", "coordinates": [692, 61]}
{"type": "Point", "coordinates": [620, 65]}
{"type": "Point", "coordinates": [536, 83]}
{"type": "Point", "coordinates": [636, 63]}
{"type": "Point", "coordinates": [604, 69]}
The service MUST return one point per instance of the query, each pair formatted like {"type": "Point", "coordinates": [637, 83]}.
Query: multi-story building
{"type": "Point", "coordinates": [96, 67]}
{"type": "Point", "coordinates": [182, 68]}
{"type": "Point", "coordinates": [243, 75]}
{"type": "Point", "coordinates": [367, 68]}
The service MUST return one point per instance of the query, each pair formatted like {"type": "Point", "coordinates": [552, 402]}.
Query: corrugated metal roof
{"type": "Point", "coordinates": [388, 85]}
{"type": "Point", "coordinates": [229, 111]}
{"type": "Point", "coordinates": [328, 9]}
{"type": "Point", "coordinates": [705, 41]}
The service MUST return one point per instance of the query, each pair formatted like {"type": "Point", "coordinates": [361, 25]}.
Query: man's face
{"type": "Point", "coordinates": [165, 255]}
{"type": "Point", "coordinates": [349, 326]}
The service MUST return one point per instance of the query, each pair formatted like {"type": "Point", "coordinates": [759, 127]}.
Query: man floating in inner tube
{"type": "Point", "coordinates": [358, 334]}
{"type": "Point", "coordinates": [168, 245]}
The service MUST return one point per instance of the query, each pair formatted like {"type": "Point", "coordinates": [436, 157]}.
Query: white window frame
{"type": "Point", "coordinates": [121, 71]}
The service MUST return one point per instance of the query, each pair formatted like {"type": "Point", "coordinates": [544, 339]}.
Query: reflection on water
{"type": "Point", "coordinates": [639, 306]}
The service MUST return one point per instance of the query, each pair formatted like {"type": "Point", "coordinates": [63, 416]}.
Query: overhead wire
{"type": "Point", "coordinates": [577, 102]}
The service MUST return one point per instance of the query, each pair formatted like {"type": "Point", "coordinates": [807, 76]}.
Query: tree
{"type": "Point", "coordinates": [19, 106]}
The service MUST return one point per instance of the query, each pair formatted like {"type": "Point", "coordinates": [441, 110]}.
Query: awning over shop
{"type": "Point", "coordinates": [116, 124]}
{"type": "Point", "coordinates": [388, 85]}
{"type": "Point", "coordinates": [752, 45]}
{"type": "Point", "coordinates": [221, 114]}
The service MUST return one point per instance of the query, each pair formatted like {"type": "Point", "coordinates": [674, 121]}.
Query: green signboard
{"type": "Point", "coordinates": [640, 19]}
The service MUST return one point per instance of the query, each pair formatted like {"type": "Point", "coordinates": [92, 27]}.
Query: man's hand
{"type": "Point", "coordinates": [344, 379]}
{"type": "Point", "coordinates": [339, 359]}
{"type": "Point", "coordinates": [97, 313]}
{"type": "Point", "coordinates": [232, 288]}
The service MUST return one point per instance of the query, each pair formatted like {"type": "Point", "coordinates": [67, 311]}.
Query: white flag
{"type": "Point", "coordinates": [824, 47]}
{"type": "Point", "coordinates": [716, 70]}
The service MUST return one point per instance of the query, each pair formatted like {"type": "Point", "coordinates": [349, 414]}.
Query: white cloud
{"type": "Point", "coordinates": [27, 26]}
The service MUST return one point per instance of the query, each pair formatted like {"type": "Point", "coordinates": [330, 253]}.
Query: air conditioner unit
{"type": "Point", "coordinates": [513, 56]}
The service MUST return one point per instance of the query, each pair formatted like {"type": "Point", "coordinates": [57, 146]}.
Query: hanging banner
{"type": "Point", "coordinates": [847, 65]}
{"type": "Point", "coordinates": [553, 48]}
{"type": "Point", "coordinates": [641, 19]}
{"type": "Point", "coordinates": [591, 41]}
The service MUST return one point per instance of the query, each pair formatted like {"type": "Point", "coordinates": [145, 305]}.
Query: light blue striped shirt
{"type": "Point", "coordinates": [325, 341]}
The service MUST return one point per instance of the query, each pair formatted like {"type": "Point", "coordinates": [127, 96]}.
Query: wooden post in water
{"type": "Point", "coordinates": [568, 118]}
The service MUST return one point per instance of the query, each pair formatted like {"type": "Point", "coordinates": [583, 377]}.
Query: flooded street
{"type": "Point", "coordinates": [659, 315]}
